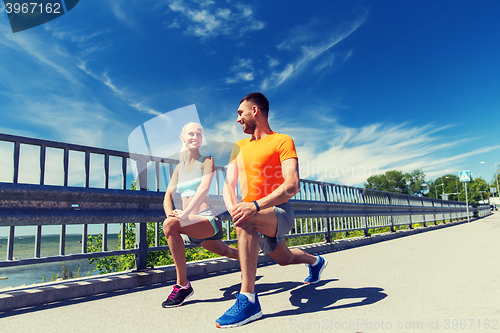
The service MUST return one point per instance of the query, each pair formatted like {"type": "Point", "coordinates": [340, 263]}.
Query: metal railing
{"type": "Point", "coordinates": [320, 208]}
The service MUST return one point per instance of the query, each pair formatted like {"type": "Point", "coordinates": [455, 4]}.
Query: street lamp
{"type": "Point", "coordinates": [443, 189]}
{"type": "Point", "coordinates": [496, 176]}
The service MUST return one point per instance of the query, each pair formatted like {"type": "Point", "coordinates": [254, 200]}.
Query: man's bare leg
{"type": "Point", "coordinates": [248, 247]}
{"type": "Point", "coordinates": [285, 256]}
{"type": "Point", "coordinates": [264, 222]}
{"type": "Point", "coordinates": [221, 248]}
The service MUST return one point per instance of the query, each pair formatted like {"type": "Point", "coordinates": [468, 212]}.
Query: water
{"type": "Point", "coordinates": [24, 247]}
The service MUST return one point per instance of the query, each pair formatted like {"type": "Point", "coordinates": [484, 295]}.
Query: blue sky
{"type": "Point", "coordinates": [362, 86]}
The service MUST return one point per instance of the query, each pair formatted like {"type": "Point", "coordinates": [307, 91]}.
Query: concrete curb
{"type": "Point", "coordinates": [30, 296]}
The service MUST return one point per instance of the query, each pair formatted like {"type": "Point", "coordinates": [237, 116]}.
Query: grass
{"type": "Point", "coordinates": [199, 253]}
{"type": "Point", "coordinates": [313, 239]}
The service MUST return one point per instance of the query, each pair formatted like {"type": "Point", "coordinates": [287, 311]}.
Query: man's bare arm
{"type": "Point", "coordinates": [229, 190]}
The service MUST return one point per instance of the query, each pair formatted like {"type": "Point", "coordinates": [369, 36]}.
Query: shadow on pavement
{"type": "Point", "coordinates": [306, 298]}
{"type": "Point", "coordinates": [309, 298]}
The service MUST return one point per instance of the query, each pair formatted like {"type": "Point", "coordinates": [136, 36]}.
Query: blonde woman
{"type": "Point", "coordinates": [197, 219]}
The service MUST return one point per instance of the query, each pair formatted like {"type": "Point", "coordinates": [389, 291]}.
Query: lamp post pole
{"type": "Point", "coordinates": [496, 177]}
{"type": "Point", "coordinates": [456, 183]}
{"type": "Point", "coordinates": [467, 202]}
{"type": "Point", "coordinates": [442, 184]}
{"type": "Point", "coordinates": [496, 174]}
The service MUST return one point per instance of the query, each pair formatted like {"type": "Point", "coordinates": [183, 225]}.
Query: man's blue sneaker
{"type": "Point", "coordinates": [241, 313]}
{"type": "Point", "coordinates": [315, 271]}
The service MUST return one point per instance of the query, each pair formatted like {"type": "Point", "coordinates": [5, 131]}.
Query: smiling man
{"type": "Point", "coordinates": [267, 167]}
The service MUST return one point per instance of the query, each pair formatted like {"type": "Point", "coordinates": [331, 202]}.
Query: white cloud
{"type": "Point", "coordinates": [87, 42]}
{"type": "Point", "coordinates": [72, 121]}
{"type": "Point", "coordinates": [242, 64]}
{"type": "Point", "coordinates": [117, 7]}
{"type": "Point", "coordinates": [345, 155]}
{"type": "Point", "coordinates": [273, 62]}
{"type": "Point", "coordinates": [46, 92]}
{"type": "Point", "coordinates": [105, 79]}
{"type": "Point", "coordinates": [243, 71]}
{"type": "Point", "coordinates": [207, 19]}
{"type": "Point", "coordinates": [40, 53]}
{"type": "Point", "coordinates": [173, 25]}
{"type": "Point", "coordinates": [225, 131]}
{"type": "Point", "coordinates": [240, 77]}
{"type": "Point", "coordinates": [301, 39]}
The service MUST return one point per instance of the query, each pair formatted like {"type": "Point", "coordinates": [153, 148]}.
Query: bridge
{"type": "Point", "coordinates": [442, 280]}
{"type": "Point", "coordinates": [368, 280]}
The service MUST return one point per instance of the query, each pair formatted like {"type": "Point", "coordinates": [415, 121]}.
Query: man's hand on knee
{"type": "Point", "coordinates": [242, 212]}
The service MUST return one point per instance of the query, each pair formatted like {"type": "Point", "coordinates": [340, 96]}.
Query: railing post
{"type": "Point", "coordinates": [157, 176]}
{"type": "Point", "coordinates": [422, 200]}
{"type": "Point", "coordinates": [66, 166]}
{"type": "Point", "coordinates": [124, 173]}
{"type": "Point", "coordinates": [10, 243]}
{"type": "Point", "coordinates": [157, 234]}
{"type": "Point", "coordinates": [444, 220]}
{"type": "Point", "coordinates": [87, 169]}
{"type": "Point", "coordinates": [38, 241]}
{"type": "Point", "coordinates": [104, 237]}
{"type": "Point", "coordinates": [409, 205]}
{"type": "Point", "coordinates": [17, 152]}
{"type": "Point", "coordinates": [123, 229]}
{"type": "Point", "coordinates": [435, 219]}
{"type": "Point", "coordinates": [141, 229]}
{"type": "Point", "coordinates": [85, 231]}
{"type": "Point", "coordinates": [390, 217]}
{"type": "Point", "coordinates": [62, 240]}
{"type": "Point", "coordinates": [106, 170]}
{"type": "Point", "coordinates": [43, 155]}
{"type": "Point", "coordinates": [328, 238]}
{"type": "Point", "coordinates": [451, 219]}
{"type": "Point", "coordinates": [365, 219]}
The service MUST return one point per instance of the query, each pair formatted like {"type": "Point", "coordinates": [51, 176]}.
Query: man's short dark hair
{"type": "Point", "coordinates": [258, 99]}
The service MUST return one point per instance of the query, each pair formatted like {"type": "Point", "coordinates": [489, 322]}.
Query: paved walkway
{"type": "Point", "coordinates": [446, 280]}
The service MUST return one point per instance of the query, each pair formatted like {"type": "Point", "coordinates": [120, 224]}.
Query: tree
{"type": "Point", "coordinates": [445, 184]}
{"type": "Point", "coordinates": [398, 182]}
{"type": "Point", "coordinates": [477, 190]}
{"type": "Point", "coordinates": [495, 181]}
{"type": "Point", "coordinates": [416, 181]}
{"type": "Point", "coordinates": [155, 258]}
{"type": "Point", "coordinates": [391, 181]}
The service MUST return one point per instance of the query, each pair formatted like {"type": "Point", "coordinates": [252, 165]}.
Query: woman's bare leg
{"type": "Point", "coordinates": [173, 230]}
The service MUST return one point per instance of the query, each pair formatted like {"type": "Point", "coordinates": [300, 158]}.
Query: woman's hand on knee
{"type": "Point", "coordinates": [175, 213]}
